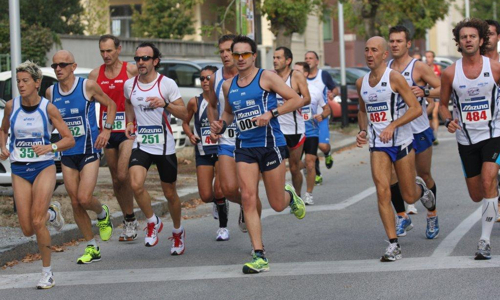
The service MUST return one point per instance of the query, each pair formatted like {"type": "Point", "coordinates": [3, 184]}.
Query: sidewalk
{"type": "Point", "coordinates": [15, 246]}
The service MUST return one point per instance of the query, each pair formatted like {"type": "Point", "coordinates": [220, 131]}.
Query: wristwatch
{"type": "Point", "coordinates": [108, 126]}
{"type": "Point", "coordinates": [427, 92]}
{"type": "Point", "coordinates": [166, 104]}
{"type": "Point", "coordinates": [54, 147]}
{"type": "Point", "coordinates": [447, 122]}
{"type": "Point", "coordinates": [275, 113]}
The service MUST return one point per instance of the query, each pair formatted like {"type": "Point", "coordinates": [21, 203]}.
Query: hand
{"type": "Point", "coordinates": [418, 92]}
{"type": "Point", "coordinates": [102, 139]}
{"type": "Point", "coordinates": [216, 126]}
{"type": "Point", "coordinates": [263, 120]}
{"type": "Point", "coordinates": [4, 154]}
{"type": "Point", "coordinates": [386, 134]}
{"type": "Point", "coordinates": [155, 102]}
{"type": "Point", "coordinates": [330, 95]}
{"type": "Point", "coordinates": [361, 139]}
{"type": "Point", "coordinates": [42, 149]}
{"type": "Point", "coordinates": [194, 139]}
{"type": "Point", "coordinates": [318, 117]}
{"type": "Point", "coordinates": [214, 137]}
{"type": "Point", "coordinates": [453, 126]}
{"type": "Point", "coordinates": [130, 131]}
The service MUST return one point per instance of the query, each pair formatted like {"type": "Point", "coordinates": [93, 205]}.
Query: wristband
{"type": "Point", "coordinates": [224, 126]}
{"type": "Point", "coordinates": [363, 130]}
{"type": "Point", "coordinates": [447, 122]}
{"type": "Point", "coordinates": [130, 123]}
{"type": "Point", "coordinates": [166, 104]}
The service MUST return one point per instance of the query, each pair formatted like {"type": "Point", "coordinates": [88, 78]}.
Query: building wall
{"type": "Point", "coordinates": [441, 36]}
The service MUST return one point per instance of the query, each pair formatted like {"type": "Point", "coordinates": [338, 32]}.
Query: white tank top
{"type": "Point", "coordinates": [475, 105]}
{"type": "Point", "coordinates": [29, 129]}
{"type": "Point", "coordinates": [153, 132]}
{"type": "Point", "coordinates": [318, 83]}
{"type": "Point", "coordinates": [229, 136]}
{"type": "Point", "coordinates": [421, 123]}
{"type": "Point", "coordinates": [292, 122]}
{"type": "Point", "coordinates": [383, 106]}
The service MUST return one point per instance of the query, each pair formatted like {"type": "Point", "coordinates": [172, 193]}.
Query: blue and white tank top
{"type": "Point", "coordinates": [309, 111]}
{"type": "Point", "coordinates": [202, 129]}
{"type": "Point", "coordinates": [421, 123]}
{"type": "Point", "coordinates": [249, 102]}
{"type": "Point", "coordinates": [78, 112]}
{"type": "Point", "coordinates": [384, 106]}
{"type": "Point", "coordinates": [28, 129]}
{"type": "Point", "coordinates": [229, 136]}
{"type": "Point", "coordinates": [475, 105]}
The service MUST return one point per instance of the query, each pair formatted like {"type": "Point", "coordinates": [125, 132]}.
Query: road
{"type": "Point", "coordinates": [331, 254]}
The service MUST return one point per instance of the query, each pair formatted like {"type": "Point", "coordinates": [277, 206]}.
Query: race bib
{"type": "Point", "coordinates": [119, 123]}
{"type": "Point", "coordinates": [150, 135]}
{"type": "Point", "coordinates": [378, 112]}
{"type": "Point", "coordinates": [230, 132]}
{"type": "Point", "coordinates": [75, 125]}
{"type": "Point", "coordinates": [307, 113]}
{"type": "Point", "coordinates": [205, 137]}
{"type": "Point", "coordinates": [23, 147]}
{"type": "Point", "coordinates": [244, 117]}
{"type": "Point", "coordinates": [473, 112]}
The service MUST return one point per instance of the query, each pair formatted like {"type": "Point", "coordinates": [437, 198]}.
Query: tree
{"type": "Point", "coordinates": [374, 17]}
{"type": "Point", "coordinates": [96, 16]}
{"type": "Point", "coordinates": [167, 19]}
{"type": "Point", "coordinates": [484, 9]}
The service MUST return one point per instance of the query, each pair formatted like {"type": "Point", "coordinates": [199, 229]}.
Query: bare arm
{"type": "Point", "coordinates": [132, 70]}
{"type": "Point", "coordinates": [191, 109]}
{"type": "Point", "coordinates": [94, 74]}
{"type": "Point", "coordinates": [446, 88]}
{"type": "Point", "coordinates": [213, 99]}
{"type": "Point", "coordinates": [130, 117]}
{"type": "Point", "coordinates": [302, 87]}
{"type": "Point", "coordinates": [66, 142]}
{"type": "Point", "coordinates": [4, 132]}
{"type": "Point", "coordinates": [430, 105]}
{"type": "Point", "coordinates": [361, 137]}
{"type": "Point", "coordinates": [94, 91]}
{"type": "Point", "coordinates": [428, 77]}
{"type": "Point", "coordinates": [272, 82]}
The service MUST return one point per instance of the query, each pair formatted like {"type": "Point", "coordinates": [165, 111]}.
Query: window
{"type": "Point", "coordinates": [121, 19]}
{"type": "Point", "coordinates": [327, 29]}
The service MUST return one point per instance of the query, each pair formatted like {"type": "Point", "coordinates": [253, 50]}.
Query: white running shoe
{"type": "Point", "coordinates": [46, 282]}
{"type": "Point", "coordinates": [215, 212]}
{"type": "Point", "coordinates": [411, 209]}
{"type": "Point", "coordinates": [58, 222]}
{"type": "Point", "coordinates": [241, 221]}
{"type": "Point", "coordinates": [152, 233]}
{"type": "Point", "coordinates": [177, 243]}
{"type": "Point", "coordinates": [129, 231]}
{"type": "Point", "coordinates": [308, 199]}
{"type": "Point", "coordinates": [222, 234]}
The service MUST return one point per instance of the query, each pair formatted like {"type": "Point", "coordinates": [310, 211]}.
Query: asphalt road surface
{"type": "Point", "coordinates": [333, 253]}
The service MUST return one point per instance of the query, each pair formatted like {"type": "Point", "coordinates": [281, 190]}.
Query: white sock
{"type": "Point", "coordinates": [488, 218]}
{"type": "Point", "coordinates": [47, 270]}
{"type": "Point", "coordinates": [52, 215]}
{"type": "Point", "coordinates": [92, 242]}
{"type": "Point", "coordinates": [101, 215]}
{"type": "Point", "coordinates": [178, 230]}
{"type": "Point", "coordinates": [153, 219]}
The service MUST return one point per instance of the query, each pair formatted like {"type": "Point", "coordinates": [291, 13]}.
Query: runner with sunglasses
{"type": "Point", "coordinates": [111, 77]}
{"type": "Point", "coordinates": [75, 98]}
{"type": "Point", "coordinates": [150, 100]}
{"type": "Point", "coordinates": [206, 152]}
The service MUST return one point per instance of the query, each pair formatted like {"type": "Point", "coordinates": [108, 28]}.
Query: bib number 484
{"type": "Point", "coordinates": [475, 116]}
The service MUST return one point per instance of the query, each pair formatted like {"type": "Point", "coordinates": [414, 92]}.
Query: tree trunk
{"type": "Point", "coordinates": [283, 40]}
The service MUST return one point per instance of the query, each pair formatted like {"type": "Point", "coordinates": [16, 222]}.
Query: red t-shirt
{"type": "Point", "coordinates": [437, 71]}
{"type": "Point", "coordinates": [114, 89]}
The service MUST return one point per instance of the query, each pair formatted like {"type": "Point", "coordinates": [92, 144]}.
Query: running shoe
{"type": "Point", "coordinates": [432, 230]}
{"type": "Point", "coordinates": [46, 282]}
{"type": "Point", "coordinates": [436, 142]}
{"type": "Point", "coordinates": [215, 212]}
{"type": "Point", "coordinates": [296, 204]}
{"type": "Point", "coordinates": [241, 221]}
{"type": "Point", "coordinates": [252, 253]}
{"type": "Point", "coordinates": [428, 200]}
{"type": "Point", "coordinates": [329, 161]}
{"type": "Point", "coordinates": [177, 243]}
{"type": "Point", "coordinates": [222, 234]}
{"type": "Point", "coordinates": [257, 265]}
{"type": "Point", "coordinates": [308, 199]}
{"type": "Point", "coordinates": [392, 253]}
{"type": "Point", "coordinates": [105, 225]}
{"type": "Point", "coordinates": [152, 233]}
{"type": "Point", "coordinates": [483, 250]}
{"type": "Point", "coordinates": [411, 209]}
{"type": "Point", "coordinates": [403, 225]}
{"type": "Point", "coordinates": [91, 254]}
{"type": "Point", "coordinates": [318, 180]}
{"type": "Point", "coordinates": [58, 222]}
{"type": "Point", "coordinates": [129, 231]}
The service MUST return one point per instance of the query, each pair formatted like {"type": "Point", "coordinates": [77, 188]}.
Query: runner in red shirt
{"type": "Point", "coordinates": [429, 59]}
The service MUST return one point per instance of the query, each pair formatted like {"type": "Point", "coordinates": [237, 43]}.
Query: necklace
{"type": "Point", "coordinates": [241, 78]}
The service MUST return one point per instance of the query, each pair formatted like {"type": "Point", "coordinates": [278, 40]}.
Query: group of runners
{"type": "Point", "coordinates": [247, 121]}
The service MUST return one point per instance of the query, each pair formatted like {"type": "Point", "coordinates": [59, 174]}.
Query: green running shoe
{"type": "Point", "coordinates": [329, 161]}
{"type": "Point", "coordinates": [296, 204]}
{"type": "Point", "coordinates": [91, 254]}
{"type": "Point", "coordinates": [105, 225]}
{"type": "Point", "coordinates": [318, 180]}
{"type": "Point", "coordinates": [257, 265]}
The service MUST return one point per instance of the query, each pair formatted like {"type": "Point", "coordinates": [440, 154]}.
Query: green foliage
{"type": "Point", "coordinates": [227, 14]}
{"type": "Point", "coordinates": [288, 14]}
{"type": "Point", "coordinates": [374, 17]}
{"type": "Point", "coordinates": [60, 16]}
{"type": "Point", "coordinates": [96, 16]}
{"type": "Point", "coordinates": [167, 19]}
{"type": "Point", "coordinates": [484, 9]}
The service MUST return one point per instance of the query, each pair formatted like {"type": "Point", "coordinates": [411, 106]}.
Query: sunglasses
{"type": "Point", "coordinates": [244, 55]}
{"type": "Point", "coordinates": [60, 65]}
{"type": "Point", "coordinates": [144, 58]}
{"type": "Point", "coordinates": [202, 78]}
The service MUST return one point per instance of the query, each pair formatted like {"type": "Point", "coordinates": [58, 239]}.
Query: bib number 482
{"type": "Point", "coordinates": [376, 117]}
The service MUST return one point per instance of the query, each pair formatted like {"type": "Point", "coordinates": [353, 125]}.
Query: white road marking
{"type": "Point", "coordinates": [446, 247]}
{"type": "Point", "coordinates": [338, 206]}
{"type": "Point", "coordinates": [96, 277]}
